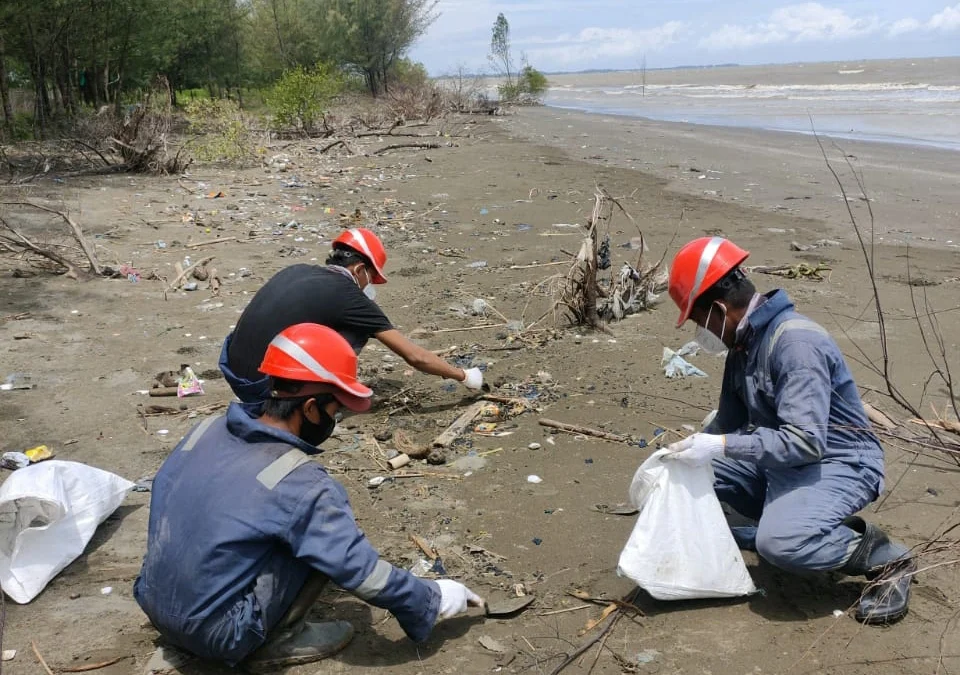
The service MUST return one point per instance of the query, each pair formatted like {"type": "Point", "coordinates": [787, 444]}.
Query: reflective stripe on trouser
{"type": "Point", "coordinates": [800, 510]}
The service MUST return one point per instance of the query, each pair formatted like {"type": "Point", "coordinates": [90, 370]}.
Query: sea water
{"type": "Point", "coordinates": [895, 103]}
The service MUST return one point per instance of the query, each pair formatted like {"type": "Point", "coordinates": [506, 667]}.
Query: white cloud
{"type": "Point", "coordinates": [807, 22]}
{"type": "Point", "coordinates": [946, 21]}
{"type": "Point", "coordinates": [904, 26]}
{"type": "Point", "coordinates": [599, 44]}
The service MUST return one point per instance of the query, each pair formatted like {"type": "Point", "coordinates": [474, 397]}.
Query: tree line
{"type": "Point", "coordinates": [72, 54]}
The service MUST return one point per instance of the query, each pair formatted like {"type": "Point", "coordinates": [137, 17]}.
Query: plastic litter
{"type": "Point", "coordinates": [14, 461]}
{"type": "Point", "coordinates": [675, 366]}
{"type": "Point", "coordinates": [478, 307]}
{"type": "Point", "coordinates": [106, 590]}
{"type": "Point", "coordinates": [188, 384]}
{"type": "Point", "coordinates": [837, 613]}
{"type": "Point", "coordinates": [681, 546]}
{"type": "Point", "coordinates": [143, 485]}
{"type": "Point", "coordinates": [478, 264]}
{"type": "Point", "coordinates": [647, 656]}
{"type": "Point", "coordinates": [38, 454]}
{"type": "Point", "coordinates": [9, 654]}
{"type": "Point", "coordinates": [16, 381]}
{"type": "Point", "coordinates": [533, 478]}
{"type": "Point", "coordinates": [48, 514]}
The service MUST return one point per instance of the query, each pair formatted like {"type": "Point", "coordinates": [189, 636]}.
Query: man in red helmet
{"type": "Point", "coordinates": [791, 445]}
{"type": "Point", "coordinates": [245, 529]}
{"type": "Point", "coordinates": [339, 295]}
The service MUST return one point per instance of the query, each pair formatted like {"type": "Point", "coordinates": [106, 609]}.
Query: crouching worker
{"type": "Point", "coordinates": [791, 444]}
{"type": "Point", "coordinates": [245, 530]}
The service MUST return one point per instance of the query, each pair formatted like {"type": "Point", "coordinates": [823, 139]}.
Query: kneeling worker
{"type": "Point", "coordinates": [339, 295]}
{"type": "Point", "coordinates": [245, 530]}
{"type": "Point", "coordinates": [791, 444]}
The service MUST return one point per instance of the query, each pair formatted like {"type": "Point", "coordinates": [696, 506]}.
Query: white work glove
{"type": "Point", "coordinates": [455, 598]}
{"type": "Point", "coordinates": [473, 379]}
{"type": "Point", "coordinates": [698, 449]}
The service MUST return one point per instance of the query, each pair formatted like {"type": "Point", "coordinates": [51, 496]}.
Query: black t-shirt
{"type": "Point", "coordinates": [302, 294]}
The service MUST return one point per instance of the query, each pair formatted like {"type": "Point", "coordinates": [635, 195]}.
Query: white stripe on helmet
{"type": "Point", "coordinates": [300, 355]}
{"type": "Point", "coordinates": [706, 258]}
{"type": "Point", "coordinates": [358, 236]}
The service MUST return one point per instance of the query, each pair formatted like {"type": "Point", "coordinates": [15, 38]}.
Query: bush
{"type": "Point", "coordinates": [532, 82]}
{"type": "Point", "coordinates": [408, 74]}
{"type": "Point", "coordinates": [223, 133]}
{"type": "Point", "coordinates": [529, 86]}
{"type": "Point", "coordinates": [299, 98]}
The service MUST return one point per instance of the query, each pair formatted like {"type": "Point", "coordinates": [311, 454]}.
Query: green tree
{"type": "Point", "coordinates": [369, 36]}
{"type": "Point", "coordinates": [500, 50]}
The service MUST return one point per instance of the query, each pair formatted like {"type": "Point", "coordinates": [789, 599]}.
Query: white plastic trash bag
{"type": "Point", "coordinates": [48, 514]}
{"type": "Point", "coordinates": [681, 547]}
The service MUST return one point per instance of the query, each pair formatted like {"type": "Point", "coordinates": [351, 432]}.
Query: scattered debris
{"type": "Point", "coordinates": [17, 382]}
{"type": "Point", "coordinates": [675, 366]}
{"type": "Point", "coordinates": [459, 425]}
{"type": "Point", "coordinates": [819, 243]}
{"type": "Point", "coordinates": [585, 431]}
{"type": "Point", "coordinates": [798, 271]}
{"type": "Point", "coordinates": [491, 645]}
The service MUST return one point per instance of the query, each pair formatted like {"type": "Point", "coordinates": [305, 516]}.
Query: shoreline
{"type": "Point", "coordinates": [911, 188]}
{"type": "Point", "coordinates": [872, 139]}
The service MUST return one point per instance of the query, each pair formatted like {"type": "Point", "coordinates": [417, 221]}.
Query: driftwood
{"type": "Point", "coordinates": [73, 271]}
{"type": "Point", "coordinates": [586, 431]}
{"type": "Point", "coordinates": [879, 417]}
{"type": "Point", "coordinates": [459, 425]}
{"type": "Point", "coordinates": [199, 244]}
{"type": "Point", "coordinates": [163, 391]}
{"type": "Point", "coordinates": [183, 275]}
{"type": "Point", "coordinates": [398, 146]}
{"type": "Point", "coordinates": [331, 146]}
{"type": "Point", "coordinates": [94, 666]}
{"type": "Point", "coordinates": [75, 230]}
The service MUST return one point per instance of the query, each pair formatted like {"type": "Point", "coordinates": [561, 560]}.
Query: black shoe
{"type": "Point", "coordinates": [302, 643]}
{"type": "Point", "coordinates": [889, 569]}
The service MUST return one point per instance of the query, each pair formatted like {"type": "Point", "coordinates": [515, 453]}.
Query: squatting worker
{"type": "Point", "coordinates": [791, 445]}
{"type": "Point", "coordinates": [339, 295]}
{"type": "Point", "coordinates": [245, 529]}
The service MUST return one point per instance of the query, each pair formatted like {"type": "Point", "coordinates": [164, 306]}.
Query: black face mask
{"type": "Point", "coordinates": [315, 434]}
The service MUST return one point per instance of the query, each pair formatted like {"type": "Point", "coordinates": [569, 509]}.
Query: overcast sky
{"type": "Point", "coordinates": [578, 35]}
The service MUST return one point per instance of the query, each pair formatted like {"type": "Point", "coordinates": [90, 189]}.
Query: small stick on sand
{"type": "Point", "coordinates": [36, 652]}
{"type": "Point", "coordinates": [586, 431]}
{"type": "Point", "coordinates": [211, 242]}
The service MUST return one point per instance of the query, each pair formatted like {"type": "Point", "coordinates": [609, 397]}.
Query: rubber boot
{"type": "Point", "coordinates": [304, 642]}
{"type": "Point", "coordinates": [294, 641]}
{"type": "Point", "coordinates": [889, 568]}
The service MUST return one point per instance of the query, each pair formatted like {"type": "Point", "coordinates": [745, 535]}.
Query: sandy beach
{"type": "Point", "coordinates": [912, 189]}
{"type": "Point", "coordinates": [472, 219]}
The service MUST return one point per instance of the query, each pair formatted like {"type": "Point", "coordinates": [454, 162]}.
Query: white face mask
{"type": "Point", "coordinates": [369, 290]}
{"type": "Point", "coordinates": [707, 339]}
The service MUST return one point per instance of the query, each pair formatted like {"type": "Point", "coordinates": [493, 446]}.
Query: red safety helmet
{"type": "Point", "coordinates": [367, 244]}
{"type": "Point", "coordinates": [698, 266]}
{"type": "Point", "coordinates": [319, 357]}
